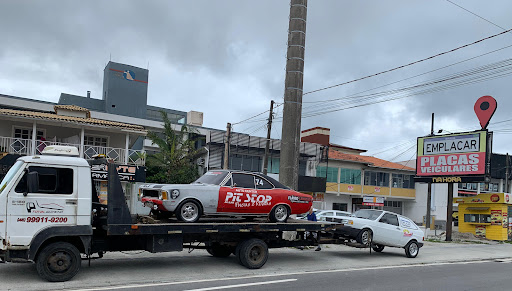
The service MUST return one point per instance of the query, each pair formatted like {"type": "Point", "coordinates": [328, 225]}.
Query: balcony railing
{"type": "Point", "coordinates": [24, 147]}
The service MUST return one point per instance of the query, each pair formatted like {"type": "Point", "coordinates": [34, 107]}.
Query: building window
{"type": "Point", "coordinates": [331, 175]}
{"type": "Point", "coordinates": [484, 187]}
{"type": "Point", "coordinates": [349, 176]}
{"type": "Point", "coordinates": [245, 163]}
{"type": "Point", "coordinates": [98, 141]}
{"type": "Point", "coordinates": [376, 179]}
{"type": "Point", "coordinates": [477, 218]}
{"type": "Point", "coordinates": [156, 115]}
{"type": "Point", "coordinates": [402, 181]}
{"type": "Point", "coordinates": [26, 133]}
{"type": "Point", "coordinates": [273, 165]}
{"type": "Point", "coordinates": [392, 203]}
{"type": "Point", "coordinates": [340, 206]}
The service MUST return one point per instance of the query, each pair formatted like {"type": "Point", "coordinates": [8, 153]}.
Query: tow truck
{"type": "Point", "coordinates": [50, 214]}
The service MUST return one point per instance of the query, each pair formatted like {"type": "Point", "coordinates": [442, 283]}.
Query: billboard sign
{"type": "Point", "coordinates": [373, 201]}
{"type": "Point", "coordinates": [453, 155]}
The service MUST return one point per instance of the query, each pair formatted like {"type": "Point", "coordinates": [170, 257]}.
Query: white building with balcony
{"type": "Point", "coordinates": [27, 132]}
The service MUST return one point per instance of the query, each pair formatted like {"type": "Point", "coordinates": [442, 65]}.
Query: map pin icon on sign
{"type": "Point", "coordinates": [485, 107]}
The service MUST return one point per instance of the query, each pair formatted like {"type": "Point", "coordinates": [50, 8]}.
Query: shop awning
{"type": "Point", "coordinates": [477, 208]}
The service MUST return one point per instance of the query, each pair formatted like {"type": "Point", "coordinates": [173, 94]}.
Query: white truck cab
{"type": "Point", "coordinates": [42, 197]}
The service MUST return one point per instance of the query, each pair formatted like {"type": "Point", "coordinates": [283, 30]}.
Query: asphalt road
{"type": "Point", "coordinates": [483, 275]}
{"type": "Point", "coordinates": [334, 268]}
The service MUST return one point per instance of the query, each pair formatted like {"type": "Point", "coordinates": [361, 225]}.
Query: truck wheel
{"type": "Point", "coordinates": [279, 213]}
{"type": "Point", "coordinates": [378, 248]}
{"type": "Point", "coordinates": [365, 237]}
{"type": "Point", "coordinates": [253, 253]}
{"type": "Point", "coordinates": [219, 251]}
{"type": "Point", "coordinates": [188, 211]}
{"type": "Point", "coordinates": [58, 262]}
{"type": "Point", "coordinates": [412, 249]}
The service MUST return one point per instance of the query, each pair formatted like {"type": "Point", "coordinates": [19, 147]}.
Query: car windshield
{"type": "Point", "coordinates": [213, 178]}
{"type": "Point", "coordinates": [10, 174]}
{"type": "Point", "coordinates": [368, 214]}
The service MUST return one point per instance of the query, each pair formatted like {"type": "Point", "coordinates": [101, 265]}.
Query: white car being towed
{"type": "Point", "coordinates": [383, 228]}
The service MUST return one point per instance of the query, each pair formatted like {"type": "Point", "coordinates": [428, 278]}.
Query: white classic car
{"type": "Point", "coordinates": [383, 228]}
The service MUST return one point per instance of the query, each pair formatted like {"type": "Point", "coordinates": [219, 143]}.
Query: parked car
{"type": "Point", "coordinates": [380, 228]}
{"type": "Point", "coordinates": [226, 193]}
{"type": "Point", "coordinates": [321, 215]}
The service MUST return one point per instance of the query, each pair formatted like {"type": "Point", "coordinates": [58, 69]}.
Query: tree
{"type": "Point", "coordinates": [175, 163]}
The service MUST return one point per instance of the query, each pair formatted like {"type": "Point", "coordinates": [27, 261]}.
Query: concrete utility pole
{"type": "Point", "coordinates": [267, 144]}
{"type": "Point", "coordinates": [227, 143]}
{"type": "Point", "coordinates": [292, 112]}
{"type": "Point", "coordinates": [506, 175]}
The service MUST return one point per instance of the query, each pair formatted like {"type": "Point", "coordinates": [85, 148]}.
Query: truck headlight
{"type": "Point", "coordinates": [163, 195]}
{"type": "Point", "coordinates": [175, 193]}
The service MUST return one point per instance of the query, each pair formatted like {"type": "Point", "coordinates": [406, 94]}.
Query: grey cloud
{"type": "Point", "coordinates": [227, 58]}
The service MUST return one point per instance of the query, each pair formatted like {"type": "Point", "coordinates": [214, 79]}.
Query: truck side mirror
{"type": "Point", "coordinates": [32, 183]}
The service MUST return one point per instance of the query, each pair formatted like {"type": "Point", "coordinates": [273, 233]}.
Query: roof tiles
{"type": "Point", "coordinates": [372, 161]}
{"type": "Point", "coordinates": [72, 119]}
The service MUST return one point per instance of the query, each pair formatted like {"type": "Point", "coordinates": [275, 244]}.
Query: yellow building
{"type": "Point", "coordinates": [487, 215]}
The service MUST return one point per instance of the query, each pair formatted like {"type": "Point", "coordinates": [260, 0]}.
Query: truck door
{"type": "Point", "coordinates": [5, 185]}
{"type": "Point", "coordinates": [52, 203]}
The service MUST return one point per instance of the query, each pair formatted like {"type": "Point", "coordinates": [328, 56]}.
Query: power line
{"type": "Point", "coordinates": [355, 94]}
{"type": "Point", "coordinates": [245, 120]}
{"type": "Point", "coordinates": [409, 64]}
{"type": "Point", "coordinates": [475, 75]}
{"type": "Point", "coordinates": [412, 77]}
{"type": "Point", "coordinates": [487, 20]}
{"type": "Point", "coordinates": [321, 101]}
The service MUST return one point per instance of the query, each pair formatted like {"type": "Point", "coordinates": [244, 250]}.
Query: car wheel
{"type": "Point", "coordinates": [378, 248]}
{"type": "Point", "coordinates": [252, 253]}
{"type": "Point", "coordinates": [188, 211]}
{"type": "Point", "coordinates": [365, 237]}
{"type": "Point", "coordinates": [58, 262]}
{"type": "Point", "coordinates": [279, 213]}
{"type": "Point", "coordinates": [412, 249]}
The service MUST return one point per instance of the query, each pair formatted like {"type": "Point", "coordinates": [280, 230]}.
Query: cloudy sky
{"type": "Point", "coordinates": [226, 58]}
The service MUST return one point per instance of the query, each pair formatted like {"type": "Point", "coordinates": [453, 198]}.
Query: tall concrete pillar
{"type": "Point", "coordinates": [292, 112]}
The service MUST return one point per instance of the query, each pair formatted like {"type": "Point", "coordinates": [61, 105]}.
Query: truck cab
{"type": "Point", "coordinates": [44, 197]}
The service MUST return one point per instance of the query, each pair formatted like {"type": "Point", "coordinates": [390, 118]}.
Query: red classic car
{"type": "Point", "coordinates": [227, 193]}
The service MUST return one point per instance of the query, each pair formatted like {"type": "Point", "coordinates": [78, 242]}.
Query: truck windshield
{"type": "Point", "coordinates": [213, 178]}
{"type": "Point", "coordinates": [10, 174]}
